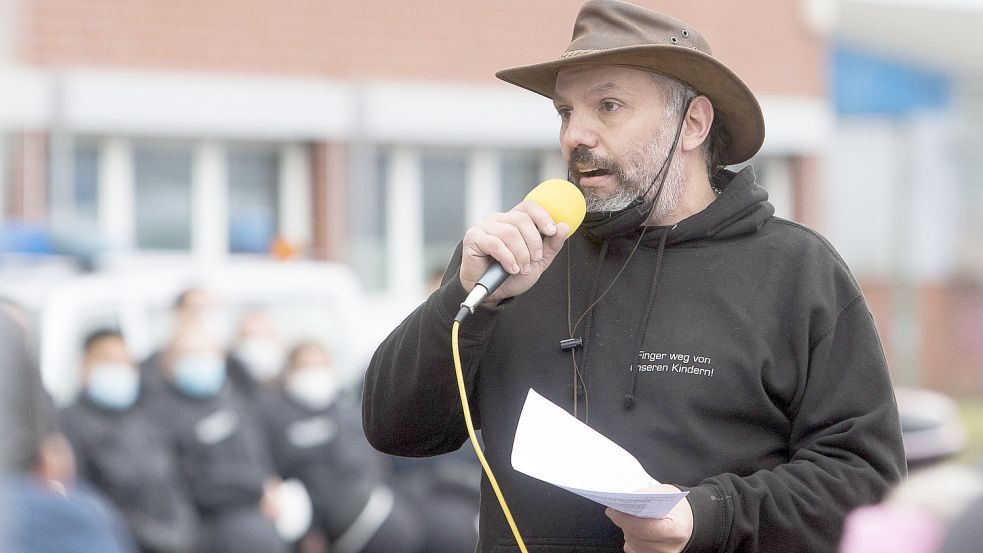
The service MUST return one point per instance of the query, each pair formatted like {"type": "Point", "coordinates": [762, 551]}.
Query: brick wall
{"type": "Point", "coordinates": [26, 196]}
{"type": "Point", "coordinates": [950, 334]}
{"type": "Point", "coordinates": [765, 41]}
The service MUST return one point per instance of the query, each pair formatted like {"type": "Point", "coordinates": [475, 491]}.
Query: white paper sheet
{"type": "Point", "coordinates": [553, 446]}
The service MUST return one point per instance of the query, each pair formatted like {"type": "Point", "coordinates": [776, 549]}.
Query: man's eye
{"type": "Point", "coordinates": [563, 113]}
{"type": "Point", "coordinates": [609, 105]}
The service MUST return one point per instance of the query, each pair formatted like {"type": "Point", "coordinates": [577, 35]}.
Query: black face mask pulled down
{"type": "Point", "coordinates": [603, 225]}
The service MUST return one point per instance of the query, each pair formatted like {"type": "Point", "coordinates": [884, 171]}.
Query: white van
{"type": "Point", "coordinates": [308, 300]}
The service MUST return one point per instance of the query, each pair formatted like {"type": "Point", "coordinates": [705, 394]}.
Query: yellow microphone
{"type": "Point", "coordinates": [564, 202]}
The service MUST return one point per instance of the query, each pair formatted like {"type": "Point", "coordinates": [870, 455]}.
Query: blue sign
{"type": "Point", "coordinates": [865, 83]}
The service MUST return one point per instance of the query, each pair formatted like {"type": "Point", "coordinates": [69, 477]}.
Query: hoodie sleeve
{"type": "Point", "coordinates": [410, 400]}
{"type": "Point", "coordinates": [845, 450]}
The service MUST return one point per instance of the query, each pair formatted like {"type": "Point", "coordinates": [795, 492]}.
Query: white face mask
{"type": "Point", "coordinates": [262, 357]}
{"type": "Point", "coordinates": [315, 387]}
{"type": "Point", "coordinates": [113, 385]}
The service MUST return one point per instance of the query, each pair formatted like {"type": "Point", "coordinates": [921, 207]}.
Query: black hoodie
{"type": "Point", "coordinates": [734, 356]}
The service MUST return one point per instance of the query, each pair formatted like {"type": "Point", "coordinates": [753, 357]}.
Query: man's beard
{"type": "Point", "coordinates": [639, 175]}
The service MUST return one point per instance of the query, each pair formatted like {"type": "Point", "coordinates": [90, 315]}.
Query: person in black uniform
{"type": "Point", "coordinates": [220, 449]}
{"type": "Point", "coordinates": [120, 451]}
{"type": "Point", "coordinates": [194, 305]}
{"type": "Point", "coordinates": [256, 356]}
{"type": "Point", "coordinates": [315, 435]}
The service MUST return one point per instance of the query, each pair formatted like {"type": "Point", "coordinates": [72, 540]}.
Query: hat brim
{"type": "Point", "coordinates": [736, 109]}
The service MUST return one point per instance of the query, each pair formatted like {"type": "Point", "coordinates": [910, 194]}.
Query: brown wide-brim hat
{"type": "Point", "coordinates": [609, 32]}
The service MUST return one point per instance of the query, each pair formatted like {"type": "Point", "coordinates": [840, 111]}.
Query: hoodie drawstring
{"type": "Point", "coordinates": [594, 299]}
{"type": "Point", "coordinates": [630, 394]}
{"type": "Point", "coordinates": [578, 378]}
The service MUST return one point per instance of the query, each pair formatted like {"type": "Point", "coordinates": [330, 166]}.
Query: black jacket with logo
{"type": "Point", "coordinates": [734, 356]}
{"type": "Point", "coordinates": [220, 448]}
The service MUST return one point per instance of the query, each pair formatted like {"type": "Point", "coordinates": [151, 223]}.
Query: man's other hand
{"type": "Point", "coordinates": [656, 535]}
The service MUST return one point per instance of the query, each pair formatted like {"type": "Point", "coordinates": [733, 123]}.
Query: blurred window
{"type": "Point", "coordinates": [162, 181]}
{"type": "Point", "coordinates": [520, 173]}
{"type": "Point", "coordinates": [444, 195]}
{"type": "Point", "coordinates": [6, 174]}
{"type": "Point", "coordinates": [87, 183]}
{"type": "Point", "coordinates": [369, 203]}
{"type": "Point", "coordinates": [254, 173]}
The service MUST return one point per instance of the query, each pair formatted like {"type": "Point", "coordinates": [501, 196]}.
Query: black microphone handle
{"type": "Point", "coordinates": [493, 277]}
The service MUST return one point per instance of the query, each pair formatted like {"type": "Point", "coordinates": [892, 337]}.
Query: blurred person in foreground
{"type": "Point", "coordinates": [315, 435]}
{"type": "Point", "coordinates": [730, 351]}
{"type": "Point", "coordinates": [935, 510]}
{"type": "Point", "coordinates": [220, 450]}
{"type": "Point", "coordinates": [121, 451]}
{"type": "Point", "coordinates": [965, 532]}
{"type": "Point", "coordinates": [42, 509]}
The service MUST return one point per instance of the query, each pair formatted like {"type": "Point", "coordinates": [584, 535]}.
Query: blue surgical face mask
{"type": "Point", "coordinates": [199, 376]}
{"type": "Point", "coordinates": [113, 385]}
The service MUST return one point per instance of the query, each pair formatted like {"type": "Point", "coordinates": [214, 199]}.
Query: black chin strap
{"type": "Point", "coordinates": [663, 171]}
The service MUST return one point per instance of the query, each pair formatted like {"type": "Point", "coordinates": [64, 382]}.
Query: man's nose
{"type": "Point", "coordinates": [578, 132]}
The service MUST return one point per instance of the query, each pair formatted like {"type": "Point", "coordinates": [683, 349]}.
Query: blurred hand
{"type": "Point", "coordinates": [524, 240]}
{"type": "Point", "coordinates": [55, 463]}
{"type": "Point", "coordinates": [269, 504]}
{"type": "Point", "coordinates": [314, 542]}
{"type": "Point", "coordinates": [656, 535]}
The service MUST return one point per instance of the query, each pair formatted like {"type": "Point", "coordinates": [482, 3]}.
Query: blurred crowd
{"type": "Point", "coordinates": [230, 438]}
{"type": "Point", "coordinates": [218, 442]}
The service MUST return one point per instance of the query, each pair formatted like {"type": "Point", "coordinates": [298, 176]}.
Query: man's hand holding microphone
{"type": "Point", "coordinates": [506, 253]}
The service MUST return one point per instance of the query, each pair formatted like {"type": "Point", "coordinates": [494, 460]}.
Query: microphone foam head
{"type": "Point", "coordinates": [562, 200]}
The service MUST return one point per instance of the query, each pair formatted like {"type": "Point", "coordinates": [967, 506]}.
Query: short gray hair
{"type": "Point", "coordinates": [678, 95]}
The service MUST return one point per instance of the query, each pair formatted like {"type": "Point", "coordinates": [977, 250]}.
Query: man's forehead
{"type": "Point", "coordinates": [592, 79]}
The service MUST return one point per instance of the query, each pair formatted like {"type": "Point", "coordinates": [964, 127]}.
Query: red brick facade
{"type": "Point", "coordinates": [402, 39]}
{"type": "Point", "coordinates": [950, 334]}
{"type": "Point", "coordinates": [26, 198]}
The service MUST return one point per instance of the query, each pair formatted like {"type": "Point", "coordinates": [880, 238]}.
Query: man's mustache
{"type": "Point", "coordinates": [583, 156]}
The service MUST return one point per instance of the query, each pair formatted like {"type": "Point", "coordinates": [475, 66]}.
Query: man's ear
{"type": "Point", "coordinates": [699, 118]}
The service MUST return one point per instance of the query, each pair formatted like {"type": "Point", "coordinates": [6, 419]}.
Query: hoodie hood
{"type": "Point", "coordinates": [741, 208]}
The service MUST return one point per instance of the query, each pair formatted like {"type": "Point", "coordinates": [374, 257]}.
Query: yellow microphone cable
{"type": "Point", "coordinates": [474, 438]}
{"type": "Point", "coordinates": [565, 204]}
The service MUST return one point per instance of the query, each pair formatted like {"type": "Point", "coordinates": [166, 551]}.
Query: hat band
{"type": "Point", "coordinates": [573, 53]}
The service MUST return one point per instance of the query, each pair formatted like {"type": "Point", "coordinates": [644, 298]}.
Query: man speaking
{"type": "Point", "coordinates": [730, 351]}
